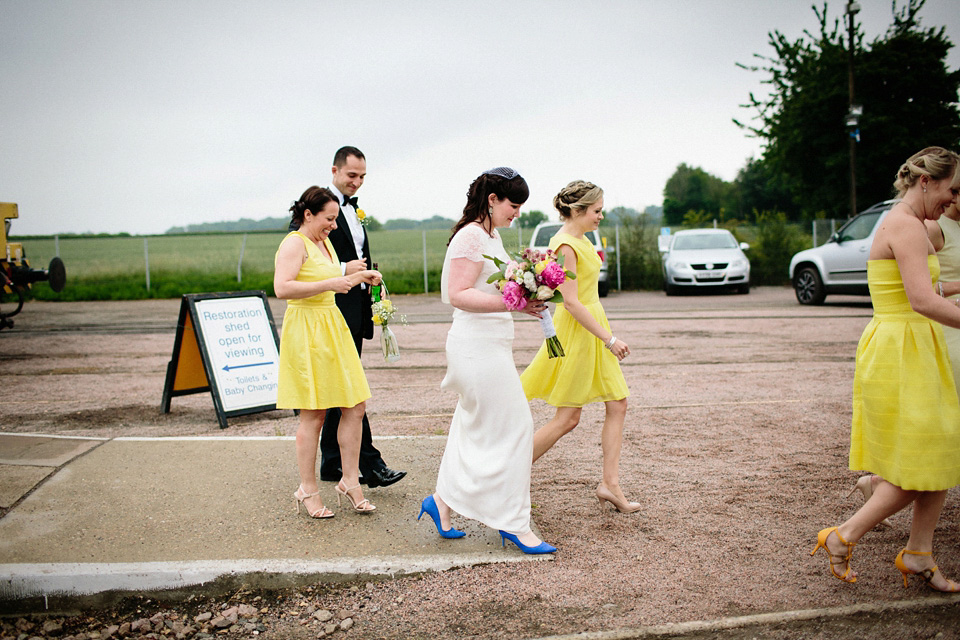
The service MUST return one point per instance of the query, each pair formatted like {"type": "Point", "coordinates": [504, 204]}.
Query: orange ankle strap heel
{"type": "Point", "coordinates": [836, 559]}
{"type": "Point", "coordinates": [926, 574]}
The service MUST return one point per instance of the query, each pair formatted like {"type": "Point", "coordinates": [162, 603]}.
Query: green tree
{"type": "Point", "coordinates": [693, 189]}
{"type": "Point", "coordinates": [777, 241]}
{"type": "Point", "coordinates": [531, 219]}
{"type": "Point", "coordinates": [760, 189]}
{"type": "Point", "coordinates": [619, 215]}
{"type": "Point", "coordinates": [908, 96]}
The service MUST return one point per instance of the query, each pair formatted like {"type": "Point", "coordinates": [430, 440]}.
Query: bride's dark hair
{"type": "Point", "coordinates": [503, 182]}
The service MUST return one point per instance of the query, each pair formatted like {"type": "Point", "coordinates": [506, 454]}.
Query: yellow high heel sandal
{"type": "Point", "coordinates": [926, 574]}
{"type": "Point", "coordinates": [357, 506]}
{"type": "Point", "coordinates": [835, 558]}
{"type": "Point", "coordinates": [300, 495]}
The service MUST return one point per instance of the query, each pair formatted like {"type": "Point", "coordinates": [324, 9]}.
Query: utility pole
{"type": "Point", "coordinates": [855, 110]}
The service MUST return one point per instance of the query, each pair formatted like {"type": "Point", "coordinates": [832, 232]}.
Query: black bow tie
{"type": "Point", "coordinates": [348, 200]}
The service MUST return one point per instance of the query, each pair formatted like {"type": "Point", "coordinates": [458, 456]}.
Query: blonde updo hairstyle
{"type": "Point", "coordinates": [579, 194]}
{"type": "Point", "coordinates": [936, 163]}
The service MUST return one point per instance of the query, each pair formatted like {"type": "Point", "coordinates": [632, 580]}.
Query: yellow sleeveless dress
{"type": "Point", "coordinates": [588, 372]}
{"type": "Point", "coordinates": [906, 416]}
{"type": "Point", "coordinates": [319, 367]}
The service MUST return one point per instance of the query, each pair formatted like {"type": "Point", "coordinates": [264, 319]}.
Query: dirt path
{"type": "Point", "coordinates": [736, 444]}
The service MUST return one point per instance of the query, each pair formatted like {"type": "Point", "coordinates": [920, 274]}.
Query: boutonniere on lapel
{"type": "Point", "coordinates": [362, 217]}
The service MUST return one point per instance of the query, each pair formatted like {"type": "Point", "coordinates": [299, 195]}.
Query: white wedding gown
{"type": "Point", "coordinates": [485, 471]}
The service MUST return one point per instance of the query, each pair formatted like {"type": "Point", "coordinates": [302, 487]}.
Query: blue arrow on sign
{"type": "Point", "coordinates": [244, 366]}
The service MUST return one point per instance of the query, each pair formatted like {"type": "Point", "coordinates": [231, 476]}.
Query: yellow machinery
{"type": "Point", "coordinates": [16, 276]}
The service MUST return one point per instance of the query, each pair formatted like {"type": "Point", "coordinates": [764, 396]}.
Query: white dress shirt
{"type": "Point", "coordinates": [356, 228]}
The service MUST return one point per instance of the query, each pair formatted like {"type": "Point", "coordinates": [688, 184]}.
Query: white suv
{"type": "Point", "coordinates": [546, 230]}
{"type": "Point", "coordinates": [839, 265]}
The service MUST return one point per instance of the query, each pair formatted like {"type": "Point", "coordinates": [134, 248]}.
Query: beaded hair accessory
{"type": "Point", "coordinates": [504, 172]}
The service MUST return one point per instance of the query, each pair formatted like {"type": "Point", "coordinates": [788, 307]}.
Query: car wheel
{"type": "Point", "coordinates": [603, 289]}
{"type": "Point", "coordinates": [744, 288]}
{"type": "Point", "coordinates": [671, 289]}
{"type": "Point", "coordinates": [809, 287]}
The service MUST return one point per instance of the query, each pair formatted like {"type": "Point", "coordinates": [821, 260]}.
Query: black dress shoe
{"type": "Point", "coordinates": [331, 477]}
{"type": "Point", "coordinates": [336, 475]}
{"type": "Point", "coordinates": [382, 477]}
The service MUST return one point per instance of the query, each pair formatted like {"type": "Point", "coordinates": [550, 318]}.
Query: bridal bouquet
{"type": "Point", "coordinates": [533, 275]}
{"type": "Point", "coordinates": [383, 312]}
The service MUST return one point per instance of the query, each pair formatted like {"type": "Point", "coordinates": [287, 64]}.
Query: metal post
{"type": "Point", "coordinates": [426, 284]}
{"type": "Point", "coordinates": [853, 115]}
{"type": "Point", "coordinates": [813, 224]}
{"type": "Point", "coordinates": [243, 246]}
{"type": "Point", "coordinates": [616, 236]}
{"type": "Point", "coordinates": [146, 260]}
{"type": "Point", "coordinates": [56, 245]}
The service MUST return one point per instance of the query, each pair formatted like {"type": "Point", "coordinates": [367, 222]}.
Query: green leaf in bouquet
{"type": "Point", "coordinates": [497, 261]}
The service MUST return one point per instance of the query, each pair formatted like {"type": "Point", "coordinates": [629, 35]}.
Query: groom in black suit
{"type": "Point", "coordinates": [350, 242]}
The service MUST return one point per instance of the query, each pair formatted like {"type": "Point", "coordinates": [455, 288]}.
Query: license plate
{"type": "Point", "coordinates": [709, 275]}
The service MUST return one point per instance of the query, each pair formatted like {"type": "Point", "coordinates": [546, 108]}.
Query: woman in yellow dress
{"type": "Point", "coordinates": [944, 235]}
{"type": "Point", "coordinates": [319, 367]}
{"type": "Point", "coordinates": [906, 415]}
{"type": "Point", "coordinates": [590, 370]}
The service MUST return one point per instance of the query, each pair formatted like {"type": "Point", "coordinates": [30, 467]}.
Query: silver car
{"type": "Point", "coordinates": [704, 258]}
{"type": "Point", "coordinates": [840, 264]}
{"type": "Point", "coordinates": [541, 240]}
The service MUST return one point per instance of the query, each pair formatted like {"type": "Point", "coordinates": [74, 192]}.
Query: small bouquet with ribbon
{"type": "Point", "coordinates": [383, 313]}
{"type": "Point", "coordinates": [533, 275]}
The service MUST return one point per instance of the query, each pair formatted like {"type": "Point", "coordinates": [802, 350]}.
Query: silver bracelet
{"type": "Point", "coordinates": [611, 342]}
{"type": "Point", "coordinates": [940, 288]}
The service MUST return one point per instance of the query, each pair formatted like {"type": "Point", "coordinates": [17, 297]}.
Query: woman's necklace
{"type": "Point", "coordinates": [915, 212]}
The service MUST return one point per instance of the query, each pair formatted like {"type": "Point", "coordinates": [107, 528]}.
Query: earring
{"type": "Point", "coordinates": [924, 189]}
{"type": "Point", "coordinates": [490, 210]}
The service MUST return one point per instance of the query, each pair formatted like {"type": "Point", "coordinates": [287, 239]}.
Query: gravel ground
{"type": "Point", "coordinates": [736, 444]}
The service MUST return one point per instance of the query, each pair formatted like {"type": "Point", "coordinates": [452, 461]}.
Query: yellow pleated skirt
{"type": "Point", "coordinates": [906, 415]}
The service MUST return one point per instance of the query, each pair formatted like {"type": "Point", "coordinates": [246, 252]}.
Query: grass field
{"type": "Point", "coordinates": [115, 267]}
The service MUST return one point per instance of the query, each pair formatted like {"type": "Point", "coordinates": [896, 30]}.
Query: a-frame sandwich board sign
{"type": "Point", "coordinates": [227, 344]}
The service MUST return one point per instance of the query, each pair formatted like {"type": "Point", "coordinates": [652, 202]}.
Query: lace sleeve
{"type": "Point", "coordinates": [469, 243]}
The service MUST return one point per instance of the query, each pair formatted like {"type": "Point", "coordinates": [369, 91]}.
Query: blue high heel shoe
{"type": "Point", "coordinates": [543, 547]}
{"type": "Point", "coordinates": [429, 507]}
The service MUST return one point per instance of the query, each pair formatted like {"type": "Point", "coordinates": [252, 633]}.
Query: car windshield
{"type": "Point", "coordinates": [545, 233]}
{"type": "Point", "coordinates": [860, 227]}
{"type": "Point", "coordinates": [704, 241]}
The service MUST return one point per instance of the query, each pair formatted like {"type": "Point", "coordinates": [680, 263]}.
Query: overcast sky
{"type": "Point", "coordinates": [139, 115]}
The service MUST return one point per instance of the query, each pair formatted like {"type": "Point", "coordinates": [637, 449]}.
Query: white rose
{"type": "Point", "coordinates": [544, 292]}
{"type": "Point", "coordinates": [530, 281]}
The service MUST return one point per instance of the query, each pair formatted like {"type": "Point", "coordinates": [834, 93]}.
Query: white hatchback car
{"type": "Point", "coordinates": [704, 258]}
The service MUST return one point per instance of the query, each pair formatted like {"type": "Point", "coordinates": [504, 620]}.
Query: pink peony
{"type": "Point", "coordinates": [553, 275]}
{"type": "Point", "coordinates": [513, 296]}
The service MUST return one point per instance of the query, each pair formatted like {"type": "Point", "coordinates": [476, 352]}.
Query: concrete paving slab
{"type": "Point", "coordinates": [26, 459]}
{"type": "Point", "coordinates": [164, 513]}
{"type": "Point", "coordinates": [17, 480]}
{"type": "Point", "coordinates": [42, 450]}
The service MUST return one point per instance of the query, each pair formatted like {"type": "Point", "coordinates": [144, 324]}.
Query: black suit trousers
{"type": "Point", "coordinates": [370, 457]}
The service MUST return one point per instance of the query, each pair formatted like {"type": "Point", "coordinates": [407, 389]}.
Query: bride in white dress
{"type": "Point", "coordinates": [485, 471]}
